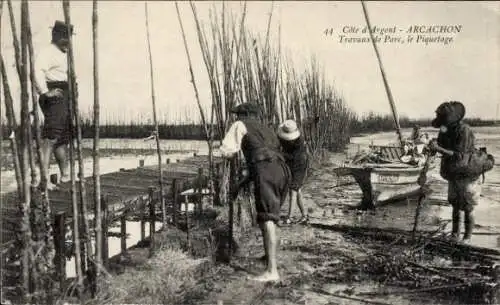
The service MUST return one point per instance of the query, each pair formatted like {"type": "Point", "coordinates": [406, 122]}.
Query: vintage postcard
{"type": "Point", "coordinates": [250, 152]}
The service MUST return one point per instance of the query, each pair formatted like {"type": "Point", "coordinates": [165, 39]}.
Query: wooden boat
{"type": "Point", "coordinates": [389, 178]}
{"type": "Point", "coordinates": [385, 182]}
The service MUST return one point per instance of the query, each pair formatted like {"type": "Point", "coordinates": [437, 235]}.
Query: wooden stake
{"type": "Point", "coordinates": [87, 252]}
{"type": "Point", "coordinates": [421, 181]}
{"type": "Point", "coordinates": [74, 199]}
{"type": "Point", "coordinates": [104, 224]}
{"type": "Point", "coordinates": [60, 246]}
{"type": "Point", "coordinates": [142, 205]}
{"type": "Point", "coordinates": [188, 224]}
{"type": "Point", "coordinates": [123, 233]}
{"type": "Point", "coordinates": [11, 121]}
{"type": "Point", "coordinates": [199, 192]}
{"type": "Point", "coordinates": [42, 203]}
{"type": "Point", "coordinates": [175, 198]}
{"type": "Point", "coordinates": [152, 219]}
{"type": "Point", "coordinates": [96, 169]}
{"type": "Point", "coordinates": [193, 81]}
{"type": "Point", "coordinates": [25, 154]}
{"type": "Point", "coordinates": [233, 173]}
{"type": "Point", "coordinates": [157, 137]}
{"type": "Point", "coordinates": [208, 133]}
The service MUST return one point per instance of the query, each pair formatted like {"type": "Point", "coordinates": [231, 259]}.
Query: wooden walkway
{"type": "Point", "coordinates": [122, 190]}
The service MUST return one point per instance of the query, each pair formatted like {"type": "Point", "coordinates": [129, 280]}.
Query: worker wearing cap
{"type": "Point", "coordinates": [51, 68]}
{"type": "Point", "coordinates": [268, 171]}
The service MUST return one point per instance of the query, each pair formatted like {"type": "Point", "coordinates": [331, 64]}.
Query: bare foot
{"type": "Point", "coordinates": [267, 277]}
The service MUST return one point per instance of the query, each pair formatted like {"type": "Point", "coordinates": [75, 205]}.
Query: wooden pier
{"type": "Point", "coordinates": [126, 193]}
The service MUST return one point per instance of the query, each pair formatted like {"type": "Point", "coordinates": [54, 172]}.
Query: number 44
{"type": "Point", "coordinates": [328, 32]}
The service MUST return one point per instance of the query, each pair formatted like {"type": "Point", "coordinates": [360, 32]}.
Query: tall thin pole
{"type": "Point", "coordinates": [25, 147]}
{"type": "Point", "coordinates": [45, 233]}
{"type": "Point", "coordinates": [35, 109]}
{"type": "Point", "coordinates": [153, 100]}
{"type": "Point", "coordinates": [96, 173]}
{"type": "Point", "coordinates": [87, 252]}
{"type": "Point", "coordinates": [386, 84]}
{"type": "Point", "coordinates": [208, 133]}
{"type": "Point", "coordinates": [74, 199]}
{"type": "Point", "coordinates": [17, 55]}
{"type": "Point", "coordinates": [11, 121]}
{"type": "Point", "coordinates": [202, 113]}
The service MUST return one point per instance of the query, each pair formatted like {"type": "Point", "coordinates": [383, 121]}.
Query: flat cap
{"type": "Point", "coordinates": [247, 108]}
{"type": "Point", "coordinates": [61, 28]}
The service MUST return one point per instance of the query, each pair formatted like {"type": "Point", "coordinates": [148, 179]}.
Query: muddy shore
{"type": "Point", "coordinates": [317, 265]}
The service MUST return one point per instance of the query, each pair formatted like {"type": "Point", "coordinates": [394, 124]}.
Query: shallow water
{"type": "Point", "coordinates": [114, 243]}
{"type": "Point", "coordinates": [113, 164]}
{"type": "Point", "coordinates": [401, 215]}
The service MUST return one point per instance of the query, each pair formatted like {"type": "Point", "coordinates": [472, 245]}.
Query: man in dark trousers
{"type": "Point", "coordinates": [52, 86]}
{"type": "Point", "coordinates": [267, 170]}
{"type": "Point", "coordinates": [456, 142]}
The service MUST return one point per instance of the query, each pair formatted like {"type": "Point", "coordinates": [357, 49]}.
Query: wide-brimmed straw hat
{"type": "Point", "coordinates": [288, 130]}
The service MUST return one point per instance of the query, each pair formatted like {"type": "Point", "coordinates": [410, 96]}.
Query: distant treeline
{"type": "Point", "coordinates": [369, 123]}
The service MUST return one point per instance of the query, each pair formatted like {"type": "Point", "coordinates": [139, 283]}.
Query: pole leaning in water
{"type": "Point", "coordinates": [386, 84]}
{"type": "Point", "coordinates": [157, 137]}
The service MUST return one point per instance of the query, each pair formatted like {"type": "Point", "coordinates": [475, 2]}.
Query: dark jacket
{"type": "Point", "coordinates": [295, 153]}
{"type": "Point", "coordinates": [260, 143]}
{"type": "Point", "coordinates": [460, 139]}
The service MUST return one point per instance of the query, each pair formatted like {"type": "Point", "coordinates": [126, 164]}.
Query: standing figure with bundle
{"type": "Point", "coordinates": [266, 169]}
{"type": "Point", "coordinates": [461, 164]}
{"type": "Point", "coordinates": [52, 85]}
{"type": "Point", "coordinates": [295, 153]}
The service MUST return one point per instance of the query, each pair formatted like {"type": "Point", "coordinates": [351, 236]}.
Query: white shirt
{"type": "Point", "coordinates": [231, 143]}
{"type": "Point", "coordinates": [50, 65]}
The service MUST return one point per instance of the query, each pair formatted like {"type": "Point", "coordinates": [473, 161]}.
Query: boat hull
{"type": "Point", "coordinates": [384, 183]}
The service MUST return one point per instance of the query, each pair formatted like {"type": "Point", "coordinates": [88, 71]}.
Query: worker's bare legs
{"type": "Point", "coordinates": [469, 225]}
{"type": "Point", "coordinates": [301, 205]}
{"type": "Point", "coordinates": [60, 153]}
{"type": "Point", "coordinates": [455, 220]}
{"type": "Point", "coordinates": [296, 196]}
{"type": "Point", "coordinates": [47, 148]}
{"type": "Point", "coordinates": [292, 197]}
{"type": "Point", "coordinates": [268, 229]}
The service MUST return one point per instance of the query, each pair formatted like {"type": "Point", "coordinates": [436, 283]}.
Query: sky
{"type": "Point", "coordinates": [420, 76]}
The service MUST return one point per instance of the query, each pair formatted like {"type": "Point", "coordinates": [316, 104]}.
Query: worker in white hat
{"type": "Point", "coordinates": [295, 153]}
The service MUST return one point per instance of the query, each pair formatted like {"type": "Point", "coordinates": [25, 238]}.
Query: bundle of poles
{"type": "Point", "coordinates": [244, 67]}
